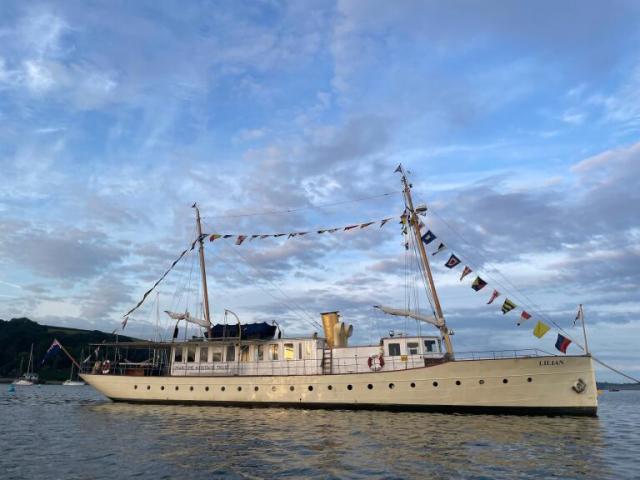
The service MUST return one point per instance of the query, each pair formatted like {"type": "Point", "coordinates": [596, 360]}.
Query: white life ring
{"type": "Point", "coordinates": [106, 366]}
{"type": "Point", "coordinates": [376, 362]}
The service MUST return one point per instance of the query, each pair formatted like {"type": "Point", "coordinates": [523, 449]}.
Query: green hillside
{"type": "Point", "coordinates": [17, 335]}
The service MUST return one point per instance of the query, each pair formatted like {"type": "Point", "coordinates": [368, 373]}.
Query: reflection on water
{"type": "Point", "coordinates": [72, 432]}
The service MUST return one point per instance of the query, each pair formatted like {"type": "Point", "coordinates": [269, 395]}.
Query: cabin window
{"type": "Point", "coordinates": [244, 353]}
{"type": "Point", "coordinates": [394, 349]}
{"type": "Point", "coordinates": [231, 353]}
{"type": "Point", "coordinates": [413, 348]}
{"type": "Point", "coordinates": [216, 354]}
{"type": "Point", "coordinates": [429, 345]}
{"type": "Point", "coordinates": [300, 351]}
{"type": "Point", "coordinates": [308, 351]}
{"type": "Point", "coordinates": [177, 355]}
{"type": "Point", "coordinates": [273, 352]}
{"type": "Point", "coordinates": [289, 352]}
{"type": "Point", "coordinates": [204, 354]}
{"type": "Point", "coordinates": [259, 353]}
{"type": "Point", "coordinates": [191, 354]}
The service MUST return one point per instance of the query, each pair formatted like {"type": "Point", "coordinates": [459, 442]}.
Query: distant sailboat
{"type": "Point", "coordinates": [71, 382]}
{"type": "Point", "coordinates": [29, 377]}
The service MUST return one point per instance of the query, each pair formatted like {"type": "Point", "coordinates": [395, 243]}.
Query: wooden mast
{"type": "Point", "coordinates": [426, 268]}
{"type": "Point", "coordinates": [203, 270]}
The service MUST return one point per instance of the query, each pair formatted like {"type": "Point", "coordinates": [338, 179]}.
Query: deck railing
{"type": "Point", "coordinates": [340, 365]}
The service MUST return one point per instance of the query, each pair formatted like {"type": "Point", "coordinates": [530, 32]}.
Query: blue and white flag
{"type": "Point", "coordinates": [53, 349]}
{"type": "Point", "coordinates": [428, 237]}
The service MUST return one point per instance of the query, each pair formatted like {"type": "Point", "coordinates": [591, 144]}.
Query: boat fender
{"type": "Point", "coordinates": [579, 386]}
{"type": "Point", "coordinates": [106, 366]}
{"type": "Point", "coordinates": [376, 362]}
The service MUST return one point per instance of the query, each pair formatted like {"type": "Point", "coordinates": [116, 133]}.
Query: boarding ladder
{"type": "Point", "coordinates": [327, 361]}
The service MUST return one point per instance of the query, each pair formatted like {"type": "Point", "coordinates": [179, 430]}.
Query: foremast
{"type": "Point", "coordinates": [414, 223]}
{"type": "Point", "coordinates": [203, 271]}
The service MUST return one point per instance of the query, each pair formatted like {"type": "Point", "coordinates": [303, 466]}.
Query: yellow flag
{"type": "Point", "coordinates": [540, 329]}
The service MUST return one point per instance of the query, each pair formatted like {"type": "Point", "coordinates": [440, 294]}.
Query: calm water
{"type": "Point", "coordinates": [74, 433]}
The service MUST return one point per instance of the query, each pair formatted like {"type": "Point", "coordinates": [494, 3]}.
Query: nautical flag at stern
{"type": "Point", "coordinates": [428, 237]}
{"type": "Point", "coordinates": [494, 295]}
{"type": "Point", "coordinates": [540, 329]}
{"type": "Point", "coordinates": [507, 306]}
{"type": "Point", "coordinates": [465, 272]}
{"type": "Point", "coordinates": [524, 316]}
{"type": "Point", "coordinates": [452, 262]}
{"type": "Point", "coordinates": [478, 284]}
{"type": "Point", "coordinates": [53, 349]}
{"type": "Point", "coordinates": [441, 247]}
{"type": "Point", "coordinates": [562, 343]}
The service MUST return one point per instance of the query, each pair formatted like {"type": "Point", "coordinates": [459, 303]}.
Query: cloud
{"type": "Point", "coordinates": [71, 254]}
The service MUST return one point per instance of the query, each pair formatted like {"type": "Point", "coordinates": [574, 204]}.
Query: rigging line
{"type": "Point", "coordinates": [528, 302]}
{"type": "Point", "coordinates": [299, 209]}
{"type": "Point", "coordinates": [257, 270]}
{"type": "Point", "coordinates": [537, 308]}
{"type": "Point", "coordinates": [614, 369]}
{"type": "Point", "coordinates": [423, 275]}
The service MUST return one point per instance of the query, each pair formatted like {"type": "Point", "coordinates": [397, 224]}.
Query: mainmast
{"type": "Point", "coordinates": [426, 268]}
{"type": "Point", "coordinates": [203, 270]}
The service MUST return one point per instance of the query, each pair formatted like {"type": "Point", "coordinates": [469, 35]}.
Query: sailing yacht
{"type": "Point", "coordinates": [249, 365]}
{"type": "Point", "coordinates": [29, 377]}
{"type": "Point", "coordinates": [71, 382]}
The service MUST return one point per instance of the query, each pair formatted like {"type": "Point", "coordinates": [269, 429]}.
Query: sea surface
{"type": "Point", "coordinates": [58, 432]}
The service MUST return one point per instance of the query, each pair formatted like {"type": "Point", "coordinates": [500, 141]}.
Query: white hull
{"type": "Point", "coordinates": [23, 383]}
{"type": "Point", "coordinates": [563, 385]}
{"type": "Point", "coordinates": [73, 383]}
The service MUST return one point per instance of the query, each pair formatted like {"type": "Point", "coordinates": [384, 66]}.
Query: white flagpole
{"type": "Point", "coordinates": [584, 331]}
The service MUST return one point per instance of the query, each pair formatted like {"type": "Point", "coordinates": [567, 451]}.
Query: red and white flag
{"type": "Point", "coordinates": [494, 295]}
{"type": "Point", "coordinates": [524, 316]}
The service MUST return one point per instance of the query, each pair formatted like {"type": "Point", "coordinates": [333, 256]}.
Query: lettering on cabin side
{"type": "Point", "coordinates": [548, 363]}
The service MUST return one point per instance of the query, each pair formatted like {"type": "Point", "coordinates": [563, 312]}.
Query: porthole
{"type": "Point", "coordinates": [239, 389]}
{"type": "Point", "coordinates": [292, 388]}
{"type": "Point", "coordinates": [330, 387]}
{"type": "Point", "coordinates": [504, 380]}
{"type": "Point", "coordinates": [392, 386]}
{"type": "Point", "coordinates": [435, 384]}
{"type": "Point", "coordinates": [458, 382]}
{"type": "Point", "coordinates": [370, 387]}
{"type": "Point", "coordinates": [413, 385]}
{"type": "Point", "coordinates": [162, 387]}
{"type": "Point", "coordinates": [311, 388]}
{"type": "Point", "coordinates": [255, 389]}
{"type": "Point", "coordinates": [177, 388]}
{"type": "Point", "coordinates": [273, 389]}
{"type": "Point", "coordinates": [148, 387]}
{"type": "Point", "coordinates": [481, 382]}
{"type": "Point", "coordinates": [191, 388]}
{"type": "Point", "coordinates": [529, 379]}
{"type": "Point", "coordinates": [135, 387]}
{"type": "Point", "coordinates": [349, 387]}
{"type": "Point", "coordinates": [206, 389]}
{"type": "Point", "coordinates": [222, 389]}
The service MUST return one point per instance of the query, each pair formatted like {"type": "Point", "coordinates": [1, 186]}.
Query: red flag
{"type": "Point", "coordinates": [241, 238]}
{"type": "Point", "coordinates": [524, 316]}
{"type": "Point", "coordinates": [494, 295]}
{"type": "Point", "coordinates": [465, 272]}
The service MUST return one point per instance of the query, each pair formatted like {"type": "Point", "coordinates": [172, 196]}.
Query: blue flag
{"type": "Point", "coordinates": [428, 237]}
{"type": "Point", "coordinates": [53, 349]}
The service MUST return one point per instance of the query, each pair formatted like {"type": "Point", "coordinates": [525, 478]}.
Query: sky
{"type": "Point", "coordinates": [519, 124]}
